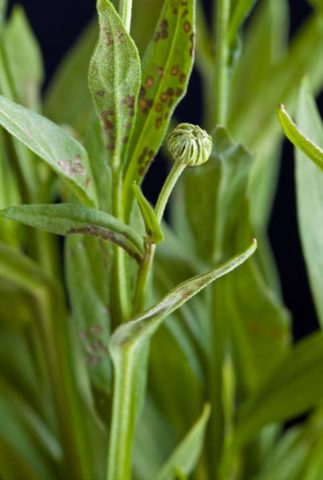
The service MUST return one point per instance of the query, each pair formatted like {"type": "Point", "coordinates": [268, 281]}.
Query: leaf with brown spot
{"type": "Point", "coordinates": [53, 144]}
{"type": "Point", "coordinates": [114, 81]}
{"type": "Point", "coordinates": [72, 219]}
{"type": "Point", "coordinates": [166, 69]}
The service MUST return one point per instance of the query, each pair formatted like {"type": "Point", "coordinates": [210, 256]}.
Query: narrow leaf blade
{"type": "Point", "coordinates": [60, 151]}
{"type": "Point", "coordinates": [188, 451]}
{"type": "Point", "coordinates": [153, 228]}
{"type": "Point", "coordinates": [74, 219]}
{"type": "Point", "coordinates": [114, 81]}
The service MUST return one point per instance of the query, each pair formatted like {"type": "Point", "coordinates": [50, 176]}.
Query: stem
{"type": "Point", "coordinates": [125, 9]}
{"type": "Point", "coordinates": [167, 189]}
{"type": "Point", "coordinates": [121, 305]}
{"type": "Point", "coordinates": [221, 61]}
{"type": "Point", "coordinates": [146, 265]}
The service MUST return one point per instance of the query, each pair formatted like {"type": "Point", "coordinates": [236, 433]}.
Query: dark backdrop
{"type": "Point", "coordinates": [57, 24]}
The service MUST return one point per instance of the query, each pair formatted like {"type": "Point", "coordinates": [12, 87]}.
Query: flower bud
{"type": "Point", "coordinates": [189, 144]}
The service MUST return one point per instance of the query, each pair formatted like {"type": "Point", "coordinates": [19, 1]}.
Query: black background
{"type": "Point", "coordinates": [57, 24]}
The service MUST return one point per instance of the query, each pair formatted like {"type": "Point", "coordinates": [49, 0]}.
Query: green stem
{"type": "Point", "coordinates": [121, 305]}
{"type": "Point", "coordinates": [146, 265]}
{"type": "Point", "coordinates": [125, 10]}
{"type": "Point", "coordinates": [221, 61]}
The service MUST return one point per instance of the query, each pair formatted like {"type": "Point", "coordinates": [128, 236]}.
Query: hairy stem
{"type": "Point", "coordinates": [146, 265]}
{"type": "Point", "coordinates": [221, 61]}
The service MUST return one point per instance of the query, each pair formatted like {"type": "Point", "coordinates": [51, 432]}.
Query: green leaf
{"type": "Point", "coordinates": [129, 346]}
{"type": "Point", "coordinates": [94, 145]}
{"type": "Point", "coordinates": [74, 219]}
{"type": "Point", "coordinates": [241, 10]}
{"type": "Point", "coordinates": [188, 451]}
{"type": "Point", "coordinates": [166, 69]}
{"type": "Point", "coordinates": [67, 98]}
{"type": "Point", "coordinates": [114, 81]}
{"type": "Point", "coordinates": [87, 267]}
{"type": "Point", "coordinates": [24, 60]}
{"type": "Point", "coordinates": [153, 229]}
{"type": "Point", "coordinates": [294, 387]}
{"type": "Point", "coordinates": [299, 139]}
{"type": "Point", "coordinates": [60, 151]}
{"type": "Point", "coordinates": [309, 190]}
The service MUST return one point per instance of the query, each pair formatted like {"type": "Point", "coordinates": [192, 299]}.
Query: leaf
{"type": "Point", "coordinates": [293, 388]}
{"type": "Point", "coordinates": [114, 81]}
{"type": "Point", "coordinates": [75, 219]}
{"type": "Point", "coordinates": [129, 346]}
{"type": "Point", "coordinates": [24, 60]}
{"type": "Point", "coordinates": [188, 451]}
{"type": "Point", "coordinates": [309, 190]}
{"type": "Point", "coordinates": [153, 229]}
{"type": "Point", "coordinates": [67, 98]}
{"type": "Point", "coordinates": [60, 151]}
{"type": "Point", "coordinates": [87, 266]}
{"type": "Point", "coordinates": [94, 145]}
{"type": "Point", "coordinates": [166, 69]}
{"type": "Point", "coordinates": [241, 10]}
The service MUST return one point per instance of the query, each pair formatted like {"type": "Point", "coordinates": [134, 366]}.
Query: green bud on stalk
{"type": "Point", "coordinates": [189, 144]}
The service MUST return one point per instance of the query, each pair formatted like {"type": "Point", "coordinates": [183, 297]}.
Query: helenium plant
{"type": "Point", "coordinates": [135, 346]}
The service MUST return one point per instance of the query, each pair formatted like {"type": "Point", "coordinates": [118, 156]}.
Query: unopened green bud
{"type": "Point", "coordinates": [189, 144]}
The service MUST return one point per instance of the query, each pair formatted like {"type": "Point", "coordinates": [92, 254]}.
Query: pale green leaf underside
{"type": "Point", "coordinates": [114, 81]}
{"type": "Point", "coordinates": [309, 191]}
{"type": "Point", "coordinates": [299, 139]}
{"type": "Point", "coordinates": [53, 144]}
{"type": "Point", "coordinates": [186, 455]}
{"type": "Point", "coordinates": [74, 219]}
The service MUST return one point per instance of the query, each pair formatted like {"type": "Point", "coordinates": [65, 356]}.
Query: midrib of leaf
{"type": "Point", "coordinates": [133, 162]}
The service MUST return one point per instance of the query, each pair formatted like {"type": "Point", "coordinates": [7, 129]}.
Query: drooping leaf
{"type": "Point", "coordinates": [23, 60]}
{"type": "Point", "coordinates": [293, 388]}
{"type": "Point", "coordinates": [299, 139]}
{"type": "Point", "coordinates": [87, 266]}
{"type": "Point", "coordinates": [153, 228]}
{"type": "Point", "coordinates": [188, 451]}
{"type": "Point", "coordinates": [67, 98]}
{"type": "Point", "coordinates": [114, 81]}
{"type": "Point", "coordinates": [75, 219]}
{"type": "Point", "coordinates": [129, 348]}
{"type": "Point", "coordinates": [60, 151]}
{"type": "Point", "coordinates": [166, 69]}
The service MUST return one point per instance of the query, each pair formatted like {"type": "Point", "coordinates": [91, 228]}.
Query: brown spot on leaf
{"type": "Point", "coordinates": [149, 82]}
{"type": "Point", "coordinates": [145, 104]}
{"type": "Point", "coordinates": [178, 92]}
{"type": "Point", "coordinates": [100, 93]}
{"type": "Point", "coordinates": [187, 27]}
{"type": "Point", "coordinates": [162, 31]}
{"type": "Point", "coordinates": [164, 97]}
{"type": "Point", "coordinates": [174, 70]}
{"type": "Point", "coordinates": [182, 78]}
{"type": "Point", "coordinates": [160, 71]}
{"type": "Point", "coordinates": [158, 122]}
{"type": "Point", "coordinates": [158, 107]}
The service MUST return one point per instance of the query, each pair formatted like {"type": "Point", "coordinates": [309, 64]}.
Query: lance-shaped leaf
{"type": "Point", "coordinates": [53, 144]}
{"type": "Point", "coordinates": [24, 61]}
{"type": "Point", "coordinates": [241, 10]}
{"type": "Point", "coordinates": [186, 455]}
{"type": "Point", "coordinates": [166, 69]}
{"type": "Point", "coordinates": [309, 191]}
{"type": "Point", "coordinates": [74, 219]}
{"type": "Point", "coordinates": [294, 387]}
{"type": "Point", "coordinates": [87, 269]}
{"type": "Point", "coordinates": [299, 139]}
{"type": "Point", "coordinates": [153, 229]}
{"type": "Point", "coordinates": [129, 347]}
{"type": "Point", "coordinates": [114, 81]}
